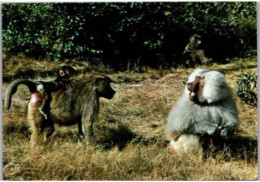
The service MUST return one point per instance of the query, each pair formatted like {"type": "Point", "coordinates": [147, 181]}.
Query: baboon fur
{"type": "Point", "coordinates": [193, 52]}
{"type": "Point", "coordinates": [206, 107]}
{"type": "Point", "coordinates": [79, 105]}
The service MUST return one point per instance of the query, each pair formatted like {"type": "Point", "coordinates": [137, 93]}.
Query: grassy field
{"type": "Point", "coordinates": [130, 143]}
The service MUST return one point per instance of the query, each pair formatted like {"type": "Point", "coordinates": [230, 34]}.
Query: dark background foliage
{"type": "Point", "coordinates": [246, 87]}
{"type": "Point", "coordinates": [127, 34]}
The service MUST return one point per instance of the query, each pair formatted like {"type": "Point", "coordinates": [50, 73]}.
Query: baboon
{"type": "Point", "coordinates": [79, 105]}
{"type": "Point", "coordinates": [193, 53]}
{"type": "Point", "coordinates": [62, 82]}
{"type": "Point", "coordinates": [205, 108]}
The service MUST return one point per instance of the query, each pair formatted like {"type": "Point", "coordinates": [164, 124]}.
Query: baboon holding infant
{"type": "Point", "coordinates": [79, 105]}
{"type": "Point", "coordinates": [206, 107]}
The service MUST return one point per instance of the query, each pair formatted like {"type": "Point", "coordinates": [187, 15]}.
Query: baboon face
{"type": "Point", "coordinates": [66, 71]}
{"type": "Point", "coordinates": [103, 87]}
{"type": "Point", "coordinates": [196, 39]}
{"type": "Point", "coordinates": [196, 88]}
{"type": "Point", "coordinates": [207, 87]}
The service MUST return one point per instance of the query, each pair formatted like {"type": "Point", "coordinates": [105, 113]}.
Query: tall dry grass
{"type": "Point", "coordinates": [130, 142]}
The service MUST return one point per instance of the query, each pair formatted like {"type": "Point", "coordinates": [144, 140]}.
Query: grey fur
{"type": "Point", "coordinates": [216, 109]}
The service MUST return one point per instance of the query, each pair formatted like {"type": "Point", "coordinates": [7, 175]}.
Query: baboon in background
{"type": "Point", "coordinates": [62, 82]}
{"type": "Point", "coordinates": [79, 105]}
{"type": "Point", "coordinates": [193, 53]}
{"type": "Point", "coordinates": [205, 108]}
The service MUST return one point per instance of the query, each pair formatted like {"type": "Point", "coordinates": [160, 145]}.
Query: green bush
{"type": "Point", "coordinates": [122, 33]}
{"type": "Point", "coordinates": [246, 87]}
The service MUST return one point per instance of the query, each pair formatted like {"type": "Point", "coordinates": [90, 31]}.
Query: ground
{"type": "Point", "coordinates": [130, 143]}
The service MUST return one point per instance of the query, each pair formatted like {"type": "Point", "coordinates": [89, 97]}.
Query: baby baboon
{"type": "Point", "coordinates": [78, 106]}
{"type": "Point", "coordinates": [62, 82]}
{"type": "Point", "coordinates": [193, 53]}
{"type": "Point", "coordinates": [206, 107]}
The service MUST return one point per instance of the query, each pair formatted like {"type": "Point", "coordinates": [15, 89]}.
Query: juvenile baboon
{"type": "Point", "coordinates": [62, 82]}
{"type": "Point", "coordinates": [193, 53]}
{"type": "Point", "coordinates": [206, 107]}
{"type": "Point", "coordinates": [79, 105]}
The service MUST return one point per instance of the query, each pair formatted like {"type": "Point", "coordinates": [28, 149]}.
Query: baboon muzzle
{"type": "Point", "coordinates": [193, 87]}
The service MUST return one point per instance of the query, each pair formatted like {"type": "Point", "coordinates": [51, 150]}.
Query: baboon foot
{"type": "Point", "coordinates": [89, 140]}
{"type": "Point", "coordinates": [47, 135]}
{"type": "Point", "coordinates": [81, 137]}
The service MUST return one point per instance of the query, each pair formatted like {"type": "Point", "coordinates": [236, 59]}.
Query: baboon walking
{"type": "Point", "coordinates": [78, 106]}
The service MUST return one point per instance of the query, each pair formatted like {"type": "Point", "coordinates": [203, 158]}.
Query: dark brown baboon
{"type": "Point", "coordinates": [62, 82]}
{"type": "Point", "coordinates": [205, 108]}
{"type": "Point", "coordinates": [79, 105]}
{"type": "Point", "coordinates": [193, 53]}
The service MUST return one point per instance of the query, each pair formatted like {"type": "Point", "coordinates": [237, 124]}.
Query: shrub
{"type": "Point", "coordinates": [146, 33]}
{"type": "Point", "coordinates": [246, 87]}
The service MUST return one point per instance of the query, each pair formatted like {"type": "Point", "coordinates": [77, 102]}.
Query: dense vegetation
{"type": "Point", "coordinates": [126, 34]}
{"type": "Point", "coordinates": [246, 87]}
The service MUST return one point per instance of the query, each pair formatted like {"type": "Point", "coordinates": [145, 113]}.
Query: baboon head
{"type": "Point", "coordinates": [196, 40]}
{"type": "Point", "coordinates": [67, 71]}
{"type": "Point", "coordinates": [102, 86]}
{"type": "Point", "coordinates": [207, 87]}
{"type": "Point", "coordinates": [196, 88]}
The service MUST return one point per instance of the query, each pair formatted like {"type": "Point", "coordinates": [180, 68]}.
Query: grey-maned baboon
{"type": "Point", "coordinates": [79, 105]}
{"type": "Point", "coordinates": [206, 107]}
{"type": "Point", "coordinates": [193, 53]}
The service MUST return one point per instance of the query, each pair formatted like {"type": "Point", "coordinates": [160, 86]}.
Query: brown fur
{"type": "Point", "coordinates": [80, 106]}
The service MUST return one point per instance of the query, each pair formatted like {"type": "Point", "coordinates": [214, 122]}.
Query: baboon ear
{"type": "Point", "coordinates": [61, 72]}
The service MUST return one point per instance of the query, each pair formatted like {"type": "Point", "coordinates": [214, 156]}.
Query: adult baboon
{"type": "Point", "coordinates": [206, 107]}
{"type": "Point", "coordinates": [193, 53]}
{"type": "Point", "coordinates": [79, 105]}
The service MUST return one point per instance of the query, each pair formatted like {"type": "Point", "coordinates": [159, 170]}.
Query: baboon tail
{"type": "Point", "coordinates": [12, 88]}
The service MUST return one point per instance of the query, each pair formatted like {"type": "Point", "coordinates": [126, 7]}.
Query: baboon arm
{"type": "Point", "coordinates": [12, 88]}
{"type": "Point", "coordinates": [230, 118]}
{"type": "Point", "coordinates": [179, 119]}
{"type": "Point", "coordinates": [187, 117]}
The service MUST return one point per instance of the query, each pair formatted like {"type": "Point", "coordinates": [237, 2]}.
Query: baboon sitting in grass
{"type": "Point", "coordinates": [79, 105]}
{"type": "Point", "coordinates": [193, 53]}
{"type": "Point", "coordinates": [205, 108]}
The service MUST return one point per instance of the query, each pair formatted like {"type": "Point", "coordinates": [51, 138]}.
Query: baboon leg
{"type": "Point", "coordinates": [48, 129]}
{"type": "Point", "coordinates": [190, 60]}
{"type": "Point", "coordinates": [89, 133]}
{"type": "Point", "coordinates": [35, 118]}
{"type": "Point", "coordinates": [42, 109]}
{"type": "Point", "coordinates": [81, 134]}
{"type": "Point", "coordinates": [201, 56]}
{"type": "Point", "coordinates": [45, 106]}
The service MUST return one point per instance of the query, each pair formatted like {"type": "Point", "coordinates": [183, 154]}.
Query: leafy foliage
{"type": "Point", "coordinates": [246, 87]}
{"type": "Point", "coordinates": [123, 34]}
